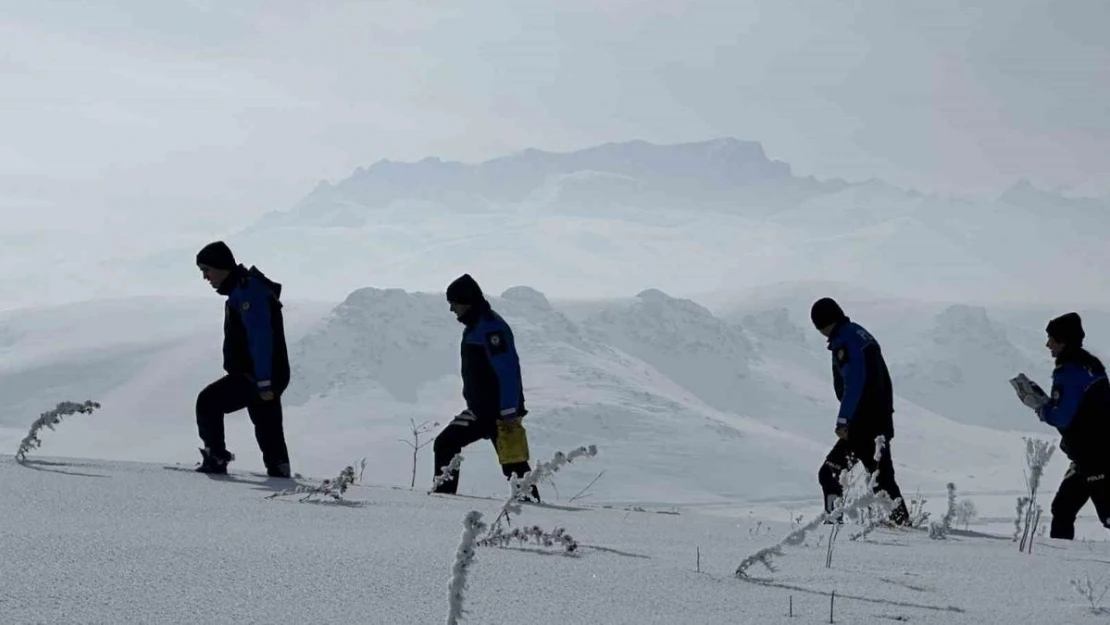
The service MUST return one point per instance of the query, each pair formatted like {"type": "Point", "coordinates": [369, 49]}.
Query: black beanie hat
{"type": "Point", "coordinates": [1067, 329]}
{"type": "Point", "coordinates": [826, 312]}
{"type": "Point", "coordinates": [216, 255]}
{"type": "Point", "coordinates": [465, 290]}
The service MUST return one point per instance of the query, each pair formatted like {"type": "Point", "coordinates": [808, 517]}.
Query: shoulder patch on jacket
{"type": "Point", "coordinates": [842, 354]}
{"type": "Point", "coordinates": [496, 341]}
{"type": "Point", "coordinates": [245, 306]}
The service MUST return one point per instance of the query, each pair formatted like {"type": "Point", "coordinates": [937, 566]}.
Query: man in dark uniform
{"type": "Point", "coordinates": [492, 384]}
{"type": "Point", "coordinates": [255, 358]}
{"type": "Point", "coordinates": [863, 387]}
{"type": "Point", "coordinates": [1079, 409]}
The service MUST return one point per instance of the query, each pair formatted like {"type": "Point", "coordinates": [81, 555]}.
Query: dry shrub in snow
{"type": "Point", "coordinates": [48, 420]}
{"type": "Point", "coordinates": [966, 512]}
{"type": "Point", "coordinates": [1037, 455]}
{"type": "Point", "coordinates": [417, 432]}
{"type": "Point", "coordinates": [939, 531]}
{"type": "Point", "coordinates": [1086, 589]}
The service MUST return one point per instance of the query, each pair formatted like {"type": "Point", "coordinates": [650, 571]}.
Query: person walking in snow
{"type": "Point", "coordinates": [863, 387]}
{"type": "Point", "coordinates": [492, 388]}
{"type": "Point", "coordinates": [255, 359]}
{"type": "Point", "coordinates": [1079, 409]}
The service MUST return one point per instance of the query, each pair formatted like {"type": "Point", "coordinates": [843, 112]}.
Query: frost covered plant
{"type": "Point", "coordinates": [447, 473]}
{"type": "Point", "coordinates": [464, 557]}
{"type": "Point", "coordinates": [328, 488]}
{"type": "Point", "coordinates": [966, 512]}
{"type": "Point", "coordinates": [918, 515]}
{"type": "Point", "coordinates": [1037, 455]}
{"type": "Point", "coordinates": [522, 487]}
{"type": "Point", "coordinates": [939, 531]}
{"type": "Point", "coordinates": [766, 555]}
{"type": "Point", "coordinates": [48, 420]}
{"type": "Point", "coordinates": [1021, 503]}
{"type": "Point", "coordinates": [558, 536]}
{"type": "Point", "coordinates": [1086, 589]}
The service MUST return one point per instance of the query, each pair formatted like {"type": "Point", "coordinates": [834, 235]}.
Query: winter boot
{"type": "Point", "coordinates": [214, 461]}
{"type": "Point", "coordinates": [534, 496]}
{"type": "Point", "coordinates": [901, 515]}
{"type": "Point", "coordinates": [281, 470]}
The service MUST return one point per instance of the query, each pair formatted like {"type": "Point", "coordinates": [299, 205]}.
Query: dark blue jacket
{"type": "Point", "coordinates": [862, 382]}
{"type": "Point", "coordinates": [1079, 409]}
{"type": "Point", "coordinates": [254, 330]}
{"type": "Point", "coordinates": [490, 366]}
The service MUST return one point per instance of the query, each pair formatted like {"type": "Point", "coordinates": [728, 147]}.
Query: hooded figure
{"type": "Point", "coordinates": [255, 360]}
{"type": "Point", "coordinates": [492, 387]}
{"type": "Point", "coordinates": [863, 387]}
{"type": "Point", "coordinates": [1079, 409]}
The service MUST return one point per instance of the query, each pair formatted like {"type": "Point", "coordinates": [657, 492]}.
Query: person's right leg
{"type": "Point", "coordinates": [1098, 486]}
{"type": "Point", "coordinates": [270, 435]}
{"type": "Point", "coordinates": [1070, 498]}
{"type": "Point", "coordinates": [219, 398]}
{"type": "Point", "coordinates": [883, 471]}
{"type": "Point", "coordinates": [838, 460]}
{"type": "Point", "coordinates": [462, 431]}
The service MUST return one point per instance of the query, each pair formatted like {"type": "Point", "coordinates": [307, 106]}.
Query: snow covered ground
{"type": "Point", "coordinates": [117, 542]}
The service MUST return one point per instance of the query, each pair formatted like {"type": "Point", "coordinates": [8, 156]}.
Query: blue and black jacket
{"type": "Point", "coordinates": [1079, 409]}
{"type": "Point", "coordinates": [862, 382]}
{"type": "Point", "coordinates": [491, 376]}
{"type": "Point", "coordinates": [254, 330]}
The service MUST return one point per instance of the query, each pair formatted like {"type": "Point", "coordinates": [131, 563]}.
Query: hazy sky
{"type": "Point", "coordinates": [148, 110]}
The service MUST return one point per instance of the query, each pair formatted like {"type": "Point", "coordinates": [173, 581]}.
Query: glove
{"type": "Point", "coordinates": [1030, 394]}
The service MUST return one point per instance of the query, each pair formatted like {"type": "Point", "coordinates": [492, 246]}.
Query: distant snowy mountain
{"type": "Point", "coordinates": [961, 368]}
{"type": "Point", "coordinates": [727, 173]}
{"type": "Point", "coordinates": [684, 341]}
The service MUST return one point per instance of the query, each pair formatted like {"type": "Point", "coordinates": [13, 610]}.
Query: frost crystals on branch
{"type": "Point", "coordinates": [49, 420]}
{"type": "Point", "coordinates": [1037, 455]}
{"type": "Point", "coordinates": [328, 488]}
{"type": "Point", "coordinates": [448, 473]}
{"type": "Point", "coordinates": [765, 556]}
{"type": "Point", "coordinates": [464, 556]}
{"type": "Point", "coordinates": [522, 487]}
{"type": "Point", "coordinates": [524, 534]}
{"type": "Point", "coordinates": [939, 531]}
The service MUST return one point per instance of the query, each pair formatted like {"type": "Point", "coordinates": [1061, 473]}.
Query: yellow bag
{"type": "Point", "coordinates": [512, 442]}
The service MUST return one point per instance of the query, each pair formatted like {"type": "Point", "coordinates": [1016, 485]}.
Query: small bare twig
{"type": "Point", "coordinates": [417, 431]}
{"type": "Point", "coordinates": [592, 482]}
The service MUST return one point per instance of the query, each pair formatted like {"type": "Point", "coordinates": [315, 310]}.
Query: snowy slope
{"type": "Point", "coordinates": [144, 359]}
{"type": "Point", "coordinates": [958, 369]}
{"type": "Point", "coordinates": [163, 547]}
